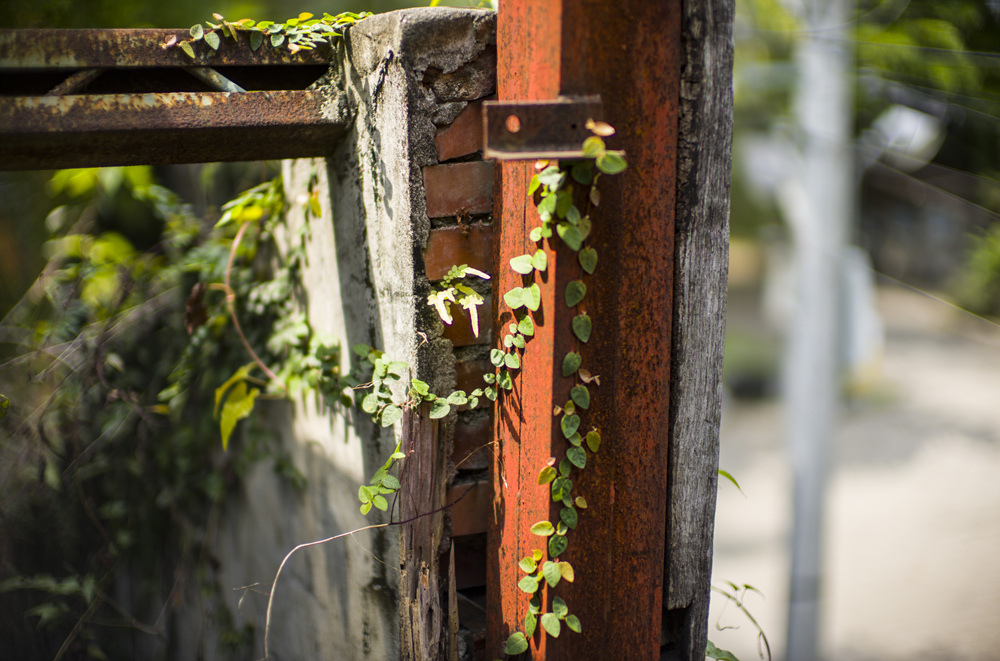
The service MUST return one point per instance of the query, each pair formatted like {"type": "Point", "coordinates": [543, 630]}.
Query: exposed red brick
{"type": "Point", "coordinates": [470, 514]}
{"type": "Point", "coordinates": [471, 450]}
{"type": "Point", "coordinates": [460, 331]}
{"type": "Point", "coordinates": [469, 376]}
{"type": "Point", "coordinates": [459, 189]}
{"type": "Point", "coordinates": [463, 244]}
{"type": "Point", "coordinates": [464, 136]}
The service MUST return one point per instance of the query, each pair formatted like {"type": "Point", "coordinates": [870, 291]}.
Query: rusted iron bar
{"type": "Point", "coordinates": [133, 129]}
{"type": "Point", "coordinates": [538, 129]}
{"type": "Point", "coordinates": [81, 49]}
{"type": "Point", "coordinates": [75, 82]}
{"type": "Point", "coordinates": [627, 52]}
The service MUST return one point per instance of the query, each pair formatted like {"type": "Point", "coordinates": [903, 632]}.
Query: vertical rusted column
{"type": "Point", "coordinates": [628, 52]}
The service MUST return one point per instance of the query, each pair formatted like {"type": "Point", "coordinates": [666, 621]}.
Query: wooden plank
{"type": "Point", "coordinates": [629, 53]}
{"type": "Point", "coordinates": [702, 242]}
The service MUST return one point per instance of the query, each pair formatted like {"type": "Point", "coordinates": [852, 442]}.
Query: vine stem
{"type": "Point", "coordinates": [374, 526]}
{"type": "Point", "coordinates": [230, 301]}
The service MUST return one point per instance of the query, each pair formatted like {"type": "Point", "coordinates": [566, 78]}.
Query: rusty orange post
{"type": "Point", "coordinates": [628, 52]}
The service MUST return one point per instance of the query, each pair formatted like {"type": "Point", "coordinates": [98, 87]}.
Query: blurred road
{"type": "Point", "coordinates": [913, 528]}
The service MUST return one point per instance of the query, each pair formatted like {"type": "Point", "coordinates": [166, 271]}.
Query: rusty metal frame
{"type": "Point", "coordinates": [197, 114]}
{"type": "Point", "coordinates": [522, 130]}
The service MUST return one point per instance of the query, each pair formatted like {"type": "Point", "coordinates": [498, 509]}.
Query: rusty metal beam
{"type": "Point", "coordinates": [81, 49]}
{"type": "Point", "coordinates": [627, 52]}
{"type": "Point", "coordinates": [131, 129]}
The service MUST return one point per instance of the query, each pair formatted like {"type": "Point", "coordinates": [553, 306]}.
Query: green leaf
{"type": "Point", "coordinates": [581, 502]}
{"type": "Point", "coordinates": [526, 326]}
{"type": "Point", "coordinates": [391, 414]}
{"type": "Point", "coordinates": [496, 357]}
{"type": "Point", "coordinates": [547, 475]}
{"type": "Point", "coordinates": [238, 405]}
{"type": "Point", "coordinates": [588, 259]}
{"type": "Point", "coordinates": [4, 405]}
{"type": "Point", "coordinates": [543, 529]}
{"type": "Point", "coordinates": [732, 479]}
{"type": "Point", "coordinates": [580, 396]}
{"type": "Point", "coordinates": [582, 173]}
{"type": "Point", "coordinates": [573, 622]}
{"type": "Point", "coordinates": [391, 482]}
{"type": "Point", "coordinates": [528, 584]}
{"type": "Point", "coordinates": [577, 456]}
{"type": "Point", "coordinates": [439, 409]}
{"type": "Point", "coordinates": [552, 177]}
{"type": "Point", "coordinates": [512, 361]}
{"type": "Point", "coordinates": [611, 162]}
{"type": "Point", "coordinates": [380, 502]}
{"type": "Point", "coordinates": [547, 206]}
{"type": "Point", "coordinates": [212, 39]}
{"type": "Point", "coordinates": [504, 380]}
{"type": "Point", "coordinates": [277, 39]}
{"type": "Point", "coordinates": [186, 47]}
{"type": "Point", "coordinates": [536, 234]}
{"type": "Point", "coordinates": [522, 264]}
{"type": "Point", "coordinates": [593, 147]}
{"type": "Point", "coordinates": [514, 298]}
{"type": "Point", "coordinates": [550, 571]}
{"type": "Point", "coordinates": [539, 260]}
{"type": "Point", "coordinates": [582, 327]}
{"type": "Point", "coordinates": [533, 185]}
{"type": "Point", "coordinates": [370, 403]}
{"type": "Point", "coordinates": [569, 425]}
{"type": "Point", "coordinates": [565, 467]}
{"type": "Point", "coordinates": [569, 516]}
{"type": "Point", "coordinates": [550, 622]}
{"type": "Point", "coordinates": [570, 234]}
{"type": "Point", "coordinates": [535, 604]}
{"type": "Point", "coordinates": [567, 572]}
{"type": "Point", "coordinates": [560, 608]}
{"type": "Point", "coordinates": [713, 652]}
{"type": "Point", "coordinates": [458, 398]}
{"type": "Point", "coordinates": [557, 544]}
{"type": "Point", "coordinates": [584, 225]}
{"type": "Point", "coordinates": [197, 31]}
{"type": "Point", "coordinates": [256, 39]}
{"type": "Point", "coordinates": [571, 363]}
{"type": "Point", "coordinates": [530, 624]}
{"type": "Point", "coordinates": [518, 341]}
{"type": "Point", "coordinates": [593, 441]}
{"type": "Point", "coordinates": [575, 291]}
{"type": "Point", "coordinates": [532, 297]}
{"type": "Point", "coordinates": [516, 644]}
{"type": "Point", "coordinates": [528, 565]}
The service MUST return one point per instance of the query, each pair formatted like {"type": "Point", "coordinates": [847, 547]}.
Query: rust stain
{"type": "Point", "coordinates": [177, 127]}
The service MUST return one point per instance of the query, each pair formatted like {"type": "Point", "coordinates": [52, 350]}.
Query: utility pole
{"type": "Point", "coordinates": [818, 205]}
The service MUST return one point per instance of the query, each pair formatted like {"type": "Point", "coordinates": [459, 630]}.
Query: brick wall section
{"type": "Point", "coordinates": [459, 189]}
{"type": "Point", "coordinates": [459, 196]}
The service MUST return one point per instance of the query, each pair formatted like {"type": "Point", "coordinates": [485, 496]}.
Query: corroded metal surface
{"type": "Point", "coordinates": [538, 129]}
{"type": "Point", "coordinates": [628, 52]}
{"type": "Point", "coordinates": [77, 49]}
{"type": "Point", "coordinates": [128, 129]}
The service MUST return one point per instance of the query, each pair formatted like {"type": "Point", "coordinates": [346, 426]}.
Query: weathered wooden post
{"type": "Point", "coordinates": [642, 551]}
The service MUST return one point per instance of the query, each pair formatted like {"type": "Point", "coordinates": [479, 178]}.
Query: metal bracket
{"type": "Point", "coordinates": [526, 130]}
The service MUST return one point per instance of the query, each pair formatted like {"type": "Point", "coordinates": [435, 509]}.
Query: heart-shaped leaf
{"type": "Point", "coordinates": [575, 291]}
{"type": "Point", "coordinates": [582, 327]}
{"type": "Point", "coordinates": [588, 259]}
{"type": "Point", "coordinates": [569, 425]}
{"type": "Point", "coordinates": [571, 363]}
{"type": "Point", "coordinates": [522, 264]}
{"type": "Point", "coordinates": [580, 396]}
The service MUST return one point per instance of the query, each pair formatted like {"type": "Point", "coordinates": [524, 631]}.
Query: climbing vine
{"type": "Point", "coordinates": [553, 188]}
{"type": "Point", "coordinates": [303, 32]}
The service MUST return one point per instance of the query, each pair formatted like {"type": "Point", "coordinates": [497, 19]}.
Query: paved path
{"type": "Point", "coordinates": [913, 531]}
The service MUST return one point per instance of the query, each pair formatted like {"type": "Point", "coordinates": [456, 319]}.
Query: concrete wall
{"type": "Point", "coordinates": [408, 78]}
